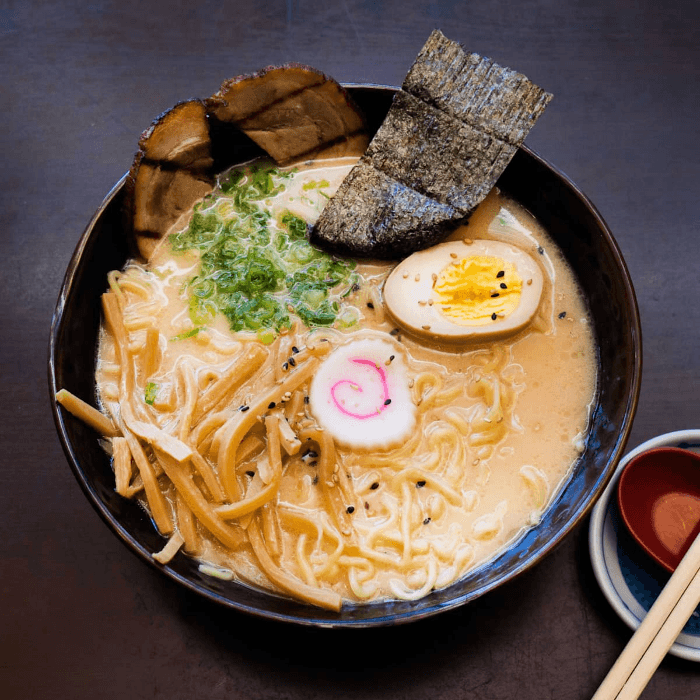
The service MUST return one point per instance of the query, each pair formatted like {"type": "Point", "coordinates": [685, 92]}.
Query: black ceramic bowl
{"type": "Point", "coordinates": [583, 236]}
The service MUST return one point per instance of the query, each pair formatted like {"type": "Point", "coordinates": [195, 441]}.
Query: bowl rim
{"type": "Point", "coordinates": [399, 617]}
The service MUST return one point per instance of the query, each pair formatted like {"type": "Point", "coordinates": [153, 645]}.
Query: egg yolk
{"type": "Point", "coordinates": [478, 289]}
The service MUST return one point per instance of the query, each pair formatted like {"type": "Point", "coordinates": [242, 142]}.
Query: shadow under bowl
{"type": "Point", "coordinates": [582, 235]}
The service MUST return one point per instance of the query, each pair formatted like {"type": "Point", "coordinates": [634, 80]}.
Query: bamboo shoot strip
{"type": "Point", "coordinates": [186, 525]}
{"type": "Point", "coordinates": [151, 354]}
{"type": "Point", "coordinates": [170, 550]}
{"type": "Point", "coordinates": [316, 596]}
{"type": "Point", "coordinates": [121, 455]}
{"type": "Point", "coordinates": [154, 494]}
{"type": "Point", "coordinates": [207, 473]}
{"type": "Point", "coordinates": [242, 369]}
{"type": "Point", "coordinates": [229, 535]}
{"type": "Point", "coordinates": [237, 427]}
{"type": "Point", "coordinates": [191, 391]}
{"type": "Point", "coordinates": [337, 505]}
{"type": "Point", "coordinates": [86, 413]}
{"type": "Point", "coordinates": [146, 431]}
{"type": "Point", "coordinates": [266, 494]}
{"type": "Point", "coordinates": [270, 524]}
{"type": "Point", "coordinates": [290, 441]}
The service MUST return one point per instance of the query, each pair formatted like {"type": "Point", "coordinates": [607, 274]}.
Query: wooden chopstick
{"type": "Point", "coordinates": [662, 642]}
{"type": "Point", "coordinates": [643, 653]}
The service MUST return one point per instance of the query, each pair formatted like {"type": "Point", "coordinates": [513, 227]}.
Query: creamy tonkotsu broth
{"type": "Point", "coordinates": [495, 426]}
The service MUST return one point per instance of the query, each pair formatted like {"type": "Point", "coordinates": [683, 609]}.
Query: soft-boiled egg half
{"type": "Point", "coordinates": [361, 396]}
{"type": "Point", "coordinates": [465, 290]}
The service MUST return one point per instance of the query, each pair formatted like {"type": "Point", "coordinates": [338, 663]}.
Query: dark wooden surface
{"type": "Point", "coordinates": [83, 618]}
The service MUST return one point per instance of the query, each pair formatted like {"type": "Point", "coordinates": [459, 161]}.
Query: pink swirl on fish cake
{"type": "Point", "coordinates": [357, 387]}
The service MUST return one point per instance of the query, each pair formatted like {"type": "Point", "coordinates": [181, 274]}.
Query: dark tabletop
{"type": "Point", "coordinates": [81, 616]}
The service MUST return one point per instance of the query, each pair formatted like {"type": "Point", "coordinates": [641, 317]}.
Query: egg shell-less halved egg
{"type": "Point", "coordinates": [410, 299]}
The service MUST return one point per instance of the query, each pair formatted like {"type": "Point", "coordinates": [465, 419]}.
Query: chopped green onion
{"type": "Point", "coordinates": [255, 269]}
{"type": "Point", "coordinates": [151, 393]}
{"type": "Point", "coordinates": [187, 334]}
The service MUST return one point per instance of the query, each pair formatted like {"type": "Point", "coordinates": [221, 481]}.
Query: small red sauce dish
{"type": "Point", "coordinates": [659, 499]}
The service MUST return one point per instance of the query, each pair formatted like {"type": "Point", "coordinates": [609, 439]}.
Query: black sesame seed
{"type": "Point", "coordinates": [501, 273]}
{"type": "Point", "coordinates": [504, 285]}
{"type": "Point", "coordinates": [306, 399]}
{"type": "Point", "coordinates": [244, 408]}
{"type": "Point", "coordinates": [493, 317]}
{"type": "Point", "coordinates": [420, 484]}
{"type": "Point", "coordinates": [562, 314]}
{"type": "Point", "coordinates": [426, 521]}
{"type": "Point", "coordinates": [285, 366]}
{"type": "Point", "coordinates": [387, 402]}
{"type": "Point", "coordinates": [394, 332]}
{"type": "Point", "coordinates": [375, 486]}
{"type": "Point", "coordinates": [311, 454]}
{"type": "Point", "coordinates": [355, 287]}
{"type": "Point", "coordinates": [370, 305]}
{"type": "Point", "coordinates": [495, 294]}
{"type": "Point", "coordinates": [540, 250]}
{"type": "Point", "coordinates": [351, 509]}
{"type": "Point", "coordinates": [292, 362]}
{"type": "Point", "coordinates": [272, 404]}
{"type": "Point", "coordinates": [295, 349]}
{"type": "Point", "coordinates": [315, 480]}
{"type": "Point", "coordinates": [250, 473]}
{"type": "Point", "coordinates": [391, 358]}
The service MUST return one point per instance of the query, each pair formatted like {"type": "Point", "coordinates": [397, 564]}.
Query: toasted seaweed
{"type": "Point", "coordinates": [437, 155]}
{"type": "Point", "coordinates": [449, 134]}
{"type": "Point", "coordinates": [387, 218]}
{"type": "Point", "coordinates": [475, 89]}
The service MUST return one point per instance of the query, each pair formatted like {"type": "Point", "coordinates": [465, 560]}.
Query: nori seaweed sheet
{"type": "Point", "coordinates": [397, 212]}
{"type": "Point", "coordinates": [475, 90]}
{"type": "Point", "coordinates": [448, 136]}
{"type": "Point", "coordinates": [437, 155]}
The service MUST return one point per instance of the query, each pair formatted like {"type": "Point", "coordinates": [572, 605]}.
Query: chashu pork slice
{"type": "Point", "coordinates": [171, 171]}
{"type": "Point", "coordinates": [292, 112]}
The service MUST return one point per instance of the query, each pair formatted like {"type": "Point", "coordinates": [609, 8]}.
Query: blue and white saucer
{"type": "Point", "coordinates": [629, 578]}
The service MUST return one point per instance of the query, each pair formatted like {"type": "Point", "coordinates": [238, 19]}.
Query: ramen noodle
{"type": "Point", "coordinates": [280, 426]}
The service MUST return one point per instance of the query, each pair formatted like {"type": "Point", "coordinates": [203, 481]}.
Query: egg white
{"type": "Point", "coordinates": [409, 296]}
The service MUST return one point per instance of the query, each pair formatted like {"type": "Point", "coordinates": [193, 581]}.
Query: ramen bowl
{"type": "Point", "coordinates": [590, 249]}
